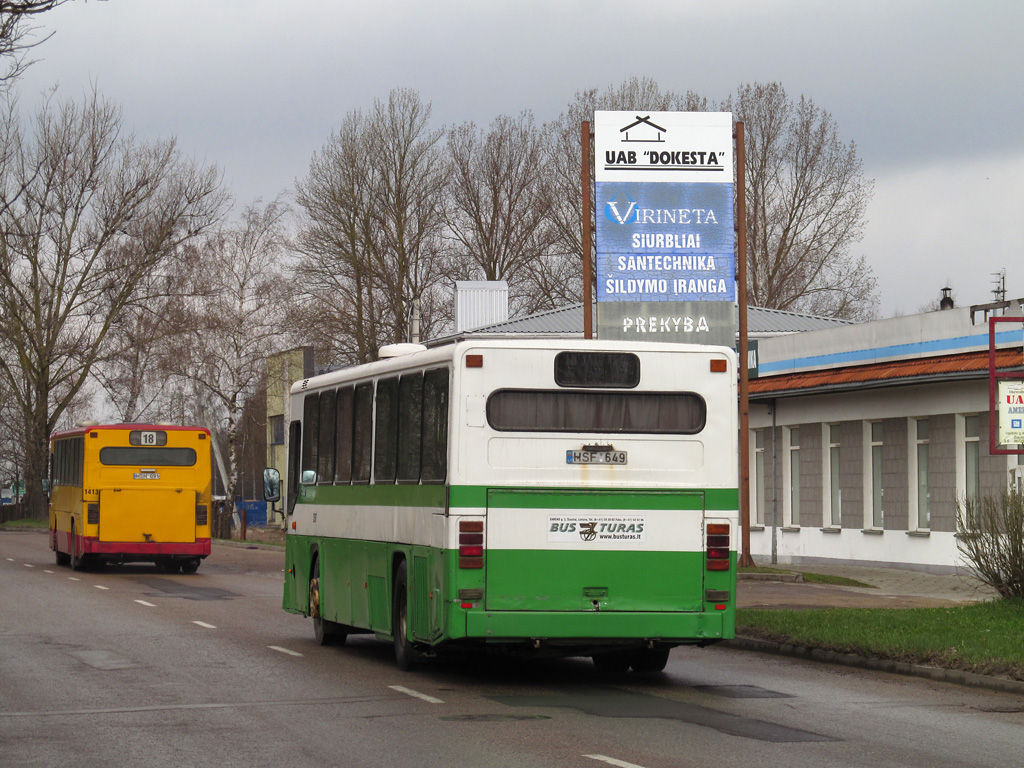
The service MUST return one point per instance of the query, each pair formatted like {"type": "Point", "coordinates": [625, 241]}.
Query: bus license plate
{"type": "Point", "coordinates": [595, 457]}
{"type": "Point", "coordinates": [146, 476]}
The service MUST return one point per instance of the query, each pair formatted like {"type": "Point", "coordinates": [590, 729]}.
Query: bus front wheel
{"type": "Point", "coordinates": [405, 656]}
{"type": "Point", "coordinates": [326, 632]}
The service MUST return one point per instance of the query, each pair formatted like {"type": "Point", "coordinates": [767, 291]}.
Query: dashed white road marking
{"type": "Point", "coordinates": [73, 578]}
{"type": "Point", "coordinates": [28, 565]}
{"type": "Point", "coordinates": [204, 624]}
{"type": "Point", "coordinates": [613, 761]}
{"type": "Point", "coordinates": [283, 650]}
{"type": "Point", "coordinates": [143, 602]}
{"type": "Point", "coordinates": [10, 559]}
{"type": "Point", "coordinates": [100, 586]}
{"type": "Point", "coordinates": [47, 571]}
{"type": "Point", "coordinates": [416, 694]}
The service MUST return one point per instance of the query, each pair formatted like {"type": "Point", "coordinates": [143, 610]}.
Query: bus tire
{"type": "Point", "coordinates": [169, 565]}
{"type": "Point", "coordinates": [190, 566]}
{"type": "Point", "coordinates": [62, 558]}
{"type": "Point", "coordinates": [650, 660]}
{"type": "Point", "coordinates": [405, 656]}
{"type": "Point", "coordinates": [326, 632]}
{"type": "Point", "coordinates": [612, 662]}
{"type": "Point", "coordinates": [75, 559]}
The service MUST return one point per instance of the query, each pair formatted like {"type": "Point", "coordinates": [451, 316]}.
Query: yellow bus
{"type": "Point", "coordinates": [125, 493]}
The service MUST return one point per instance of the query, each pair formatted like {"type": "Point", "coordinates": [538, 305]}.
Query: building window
{"type": "Point", "coordinates": [922, 437]}
{"type": "Point", "coordinates": [833, 489]}
{"type": "Point", "coordinates": [877, 516]}
{"type": "Point", "coordinates": [758, 489]}
{"type": "Point", "coordinates": [277, 430]}
{"type": "Point", "coordinates": [794, 476]}
{"type": "Point", "coordinates": [972, 459]}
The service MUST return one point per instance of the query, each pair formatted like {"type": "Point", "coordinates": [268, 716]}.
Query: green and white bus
{"type": "Point", "coordinates": [540, 497]}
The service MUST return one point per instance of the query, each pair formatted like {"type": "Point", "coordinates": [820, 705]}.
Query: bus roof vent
{"type": "Point", "coordinates": [397, 350]}
{"type": "Point", "coordinates": [87, 423]}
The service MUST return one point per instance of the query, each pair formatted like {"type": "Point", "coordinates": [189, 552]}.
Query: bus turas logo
{"type": "Point", "coordinates": [602, 529]}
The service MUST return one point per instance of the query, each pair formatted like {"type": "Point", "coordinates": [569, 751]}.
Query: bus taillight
{"type": "Point", "coordinates": [202, 514]}
{"type": "Point", "coordinates": [717, 547]}
{"type": "Point", "coordinates": [93, 513]}
{"type": "Point", "coordinates": [471, 544]}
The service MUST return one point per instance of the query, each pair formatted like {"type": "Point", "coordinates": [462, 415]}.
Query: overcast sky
{"type": "Point", "coordinates": [931, 92]}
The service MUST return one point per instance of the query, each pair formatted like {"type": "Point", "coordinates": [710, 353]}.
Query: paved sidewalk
{"type": "Point", "coordinates": [893, 588]}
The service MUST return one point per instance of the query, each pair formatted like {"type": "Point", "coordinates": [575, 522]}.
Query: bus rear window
{"type": "Point", "coordinates": [128, 456]}
{"type": "Point", "coordinates": [597, 369]}
{"type": "Point", "coordinates": [531, 410]}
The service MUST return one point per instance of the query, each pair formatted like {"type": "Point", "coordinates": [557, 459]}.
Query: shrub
{"type": "Point", "coordinates": [990, 536]}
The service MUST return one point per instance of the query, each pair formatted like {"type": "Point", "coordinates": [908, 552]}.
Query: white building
{"type": "Point", "coordinates": [864, 438]}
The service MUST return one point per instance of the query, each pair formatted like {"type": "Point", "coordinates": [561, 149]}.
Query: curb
{"type": "Point", "coordinates": [792, 578]}
{"type": "Point", "coordinates": [938, 674]}
{"type": "Point", "coordinates": [236, 544]}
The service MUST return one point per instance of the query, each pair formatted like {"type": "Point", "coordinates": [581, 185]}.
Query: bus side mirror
{"type": "Point", "coordinates": [271, 484]}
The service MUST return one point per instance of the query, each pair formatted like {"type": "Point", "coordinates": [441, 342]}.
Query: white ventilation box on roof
{"type": "Point", "coordinates": [479, 303]}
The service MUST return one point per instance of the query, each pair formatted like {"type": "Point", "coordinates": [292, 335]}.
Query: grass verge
{"type": "Point", "coordinates": [30, 524]}
{"type": "Point", "coordinates": [984, 638]}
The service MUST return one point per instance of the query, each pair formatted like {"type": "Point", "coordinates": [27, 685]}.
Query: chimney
{"type": "Point", "coordinates": [946, 302]}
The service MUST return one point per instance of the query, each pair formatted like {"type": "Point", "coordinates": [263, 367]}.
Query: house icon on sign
{"type": "Point", "coordinates": [643, 130]}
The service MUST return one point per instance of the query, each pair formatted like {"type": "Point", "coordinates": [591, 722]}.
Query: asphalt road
{"type": "Point", "coordinates": [128, 666]}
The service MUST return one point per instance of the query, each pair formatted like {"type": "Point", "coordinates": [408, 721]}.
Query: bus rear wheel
{"type": "Point", "coordinates": [326, 632]}
{"type": "Point", "coordinates": [650, 660]}
{"type": "Point", "coordinates": [190, 566]}
{"type": "Point", "coordinates": [75, 558]}
{"type": "Point", "coordinates": [62, 558]}
{"type": "Point", "coordinates": [405, 656]}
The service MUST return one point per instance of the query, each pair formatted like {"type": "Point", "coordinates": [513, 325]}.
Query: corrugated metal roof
{"type": "Point", "coordinates": [939, 368]}
{"type": "Point", "coordinates": [568, 321]}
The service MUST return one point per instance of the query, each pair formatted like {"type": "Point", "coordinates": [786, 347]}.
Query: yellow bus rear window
{"type": "Point", "coordinates": [119, 456]}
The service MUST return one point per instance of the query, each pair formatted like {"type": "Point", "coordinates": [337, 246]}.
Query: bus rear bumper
{"type": "Point", "coordinates": [89, 545]}
{"type": "Point", "coordinates": [679, 628]}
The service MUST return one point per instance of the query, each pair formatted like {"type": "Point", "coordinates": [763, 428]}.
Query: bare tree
{"type": "Point", "coordinates": [806, 203]}
{"type": "Point", "coordinates": [560, 278]}
{"type": "Point", "coordinates": [338, 307]}
{"type": "Point", "coordinates": [17, 36]}
{"type": "Point", "coordinates": [85, 216]}
{"type": "Point", "coordinates": [498, 214]}
{"type": "Point", "coordinates": [138, 369]}
{"type": "Point", "coordinates": [238, 317]}
{"type": "Point", "coordinates": [372, 236]}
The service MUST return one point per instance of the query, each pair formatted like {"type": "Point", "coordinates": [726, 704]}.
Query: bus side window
{"type": "Point", "coordinates": [294, 454]}
{"type": "Point", "coordinates": [385, 439]}
{"type": "Point", "coordinates": [325, 470]}
{"type": "Point", "coordinates": [343, 464]}
{"type": "Point", "coordinates": [362, 433]}
{"type": "Point", "coordinates": [410, 427]}
{"type": "Point", "coordinates": [435, 426]}
{"type": "Point", "coordinates": [310, 436]}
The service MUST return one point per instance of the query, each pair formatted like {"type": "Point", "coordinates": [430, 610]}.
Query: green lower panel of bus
{"type": "Point", "coordinates": [518, 594]}
{"type": "Point", "coordinates": [506, 626]}
{"type": "Point", "coordinates": [575, 580]}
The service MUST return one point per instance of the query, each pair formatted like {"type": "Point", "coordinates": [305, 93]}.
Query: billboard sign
{"type": "Point", "coordinates": [1011, 412]}
{"type": "Point", "coordinates": [665, 229]}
